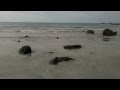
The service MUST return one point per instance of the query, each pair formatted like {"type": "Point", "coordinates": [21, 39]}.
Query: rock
{"type": "Point", "coordinates": [90, 32]}
{"type": "Point", "coordinates": [57, 37]}
{"type": "Point", "coordinates": [26, 36]}
{"type": "Point", "coordinates": [18, 41]}
{"type": "Point", "coordinates": [108, 32]}
{"type": "Point", "coordinates": [50, 52]}
{"type": "Point", "coordinates": [57, 60]}
{"type": "Point", "coordinates": [69, 47]}
{"type": "Point", "coordinates": [18, 31]}
{"type": "Point", "coordinates": [25, 50]}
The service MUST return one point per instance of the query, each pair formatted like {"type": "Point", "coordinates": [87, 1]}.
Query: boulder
{"type": "Point", "coordinates": [90, 32]}
{"type": "Point", "coordinates": [69, 47]}
{"type": "Point", "coordinates": [108, 32]}
{"type": "Point", "coordinates": [25, 50]}
{"type": "Point", "coordinates": [57, 60]}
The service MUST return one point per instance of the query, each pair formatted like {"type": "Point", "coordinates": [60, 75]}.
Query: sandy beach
{"type": "Point", "coordinates": [59, 44]}
{"type": "Point", "coordinates": [97, 59]}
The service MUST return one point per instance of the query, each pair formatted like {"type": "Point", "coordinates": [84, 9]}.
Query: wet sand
{"type": "Point", "coordinates": [97, 58]}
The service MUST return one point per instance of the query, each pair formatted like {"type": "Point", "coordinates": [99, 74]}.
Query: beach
{"type": "Point", "coordinates": [97, 59]}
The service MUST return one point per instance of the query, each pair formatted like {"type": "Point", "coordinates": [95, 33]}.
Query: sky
{"type": "Point", "coordinates": [61, 16]}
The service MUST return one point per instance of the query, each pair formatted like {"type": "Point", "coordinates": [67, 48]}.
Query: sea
{"type": "Point", "coordinates": [35, 29]}
{"type": "Point", "coordinates": [29, 26]}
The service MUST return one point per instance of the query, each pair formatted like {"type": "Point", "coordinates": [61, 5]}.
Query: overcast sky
{"type": "Point", "coordinates": [61, 16]}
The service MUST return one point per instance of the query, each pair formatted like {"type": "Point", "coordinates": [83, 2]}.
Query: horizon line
{"type": "Point", "coordinates": [61, 22]}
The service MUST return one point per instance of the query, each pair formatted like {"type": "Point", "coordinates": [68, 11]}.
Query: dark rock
{"type": "Point", "coordinates": [18, 31]}
{"type": "Point", "coordinates": [108, 32]}
{"type": "Point", "coordinates": [25, 50]}
{"type": "Point", "coordinates": [57, 37]}
{"type": "Point", "coordinates": [26, 36]}
{"type": "Point", "coordinates": [50, 52]}
{"type": "Point", "coordinates": [90, 32]}
{"type": "Point", "coordinates": [69, 47]}
{"type": "Point", "coordinates": [19, 41]}
{"type": "Point", "coordinates": [115, 33]}
{"type": "Point", "coordinates": [57, 60]}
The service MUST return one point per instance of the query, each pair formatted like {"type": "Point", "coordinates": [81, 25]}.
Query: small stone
{"type": "Point", "coordinates": [26, 36]}
{"type": "Point", "coordinates": [50, 52]}
{"type": "Point", "coordinates": [18, 41]}
{"type": "Point", "coordinates": [90, 32]}
{"type": "Point", "coordinates": [57, 37]}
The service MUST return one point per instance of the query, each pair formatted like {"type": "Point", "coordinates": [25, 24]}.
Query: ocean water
{"type": "Point", "coordinates": [20, 29]}
{"type": "Point", "coordinates": [29, 26]}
